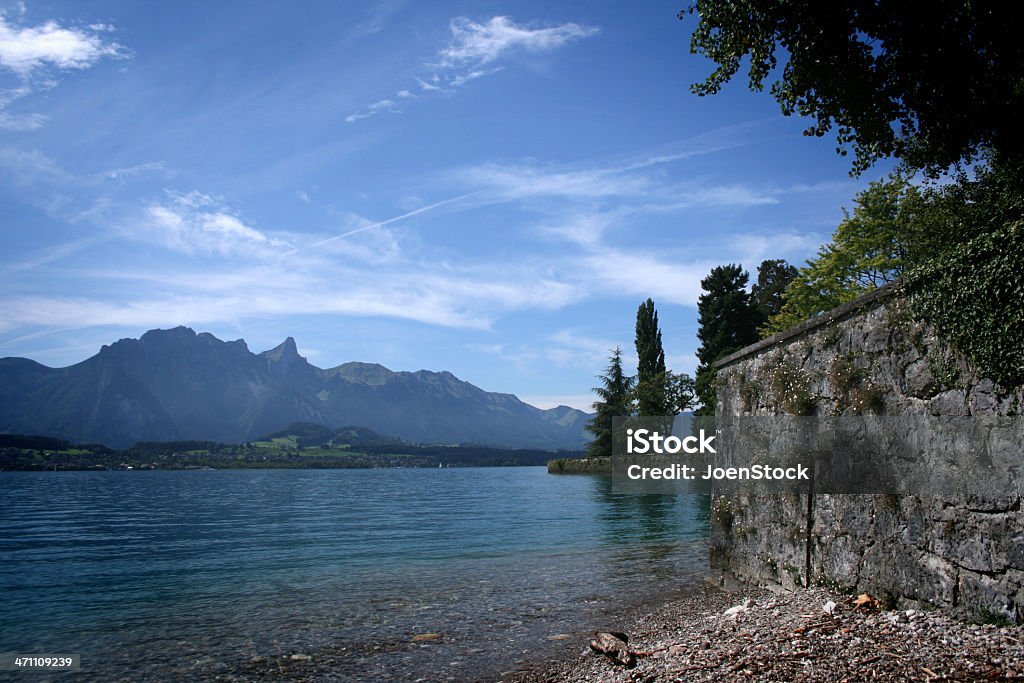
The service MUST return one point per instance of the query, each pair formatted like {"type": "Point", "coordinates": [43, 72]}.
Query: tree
{"type": "Point", "coordinates": [650, 376]}
{"type": "Point", "coordinates": [615, 399]}
{"type": "Point", "coordinates": [727, 321]}
{"type": "Point", "coordinates": [680, 392]}
{"type": "Point", "coordinates": [773, 276]}
{"type": "Point", "coordinates": [931, 84]}
{"type": "Point", "coordinates": [867, 250]}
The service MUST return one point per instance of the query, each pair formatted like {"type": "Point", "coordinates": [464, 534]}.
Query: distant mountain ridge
{"type": "Point", "coordinates": [175, 384]}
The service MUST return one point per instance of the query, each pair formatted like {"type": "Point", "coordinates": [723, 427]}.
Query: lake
{"type": "Point", "coordinates": [190, 574]}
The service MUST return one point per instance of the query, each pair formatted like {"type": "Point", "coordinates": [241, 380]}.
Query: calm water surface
{"type": "Point", "coordinates": [188, 575]}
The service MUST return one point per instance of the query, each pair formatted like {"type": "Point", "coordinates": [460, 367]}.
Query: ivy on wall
{"type": "Point", "coordinates": [974, 297]}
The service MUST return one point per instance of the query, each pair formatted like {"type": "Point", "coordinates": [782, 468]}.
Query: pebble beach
{"type": "Point", "coordinates": [757, 634]}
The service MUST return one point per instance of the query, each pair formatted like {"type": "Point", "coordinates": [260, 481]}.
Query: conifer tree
{"type": "Point", "coordinates": [728, 319]}
{"type": "Point", "coordinates": [614, 400]}
{"type": "Point", "coordinates": [650, 378]}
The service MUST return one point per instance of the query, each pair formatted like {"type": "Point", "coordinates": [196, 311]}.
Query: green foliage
{"type": "Point", "coordinates": [866, 251]}
{"type": "Point", "coordinates": [944, 369]}
{"type": "Point", "coordinates": [279, 453]}
{"type": "Point", "coordinates": [985, 616]}
{"type": "Point", "coordinates": [973, 295]}
{"type": "Point", "coordinates": [671, 393]}
{"type": "Point", "coordinates": [930, 86]}
{"type": "Point", "coordinates": [965, 272]}
{"type": "Point", "coordinates": [750, 391]}
{"type": "Point", "coordinates": [868, 397]}
{"type": "Point", "coordinates": [944, 217]}
{"type": "Point", "coordinates": [773, 276]}
{"type": "Point", "coordinates": [728, 320]}
{"type": "Point", "coordinates": [680, 392]}
{"type": "Point", "coordinates": [791, 388]}
{"type": "Point", "coordinates": [651, 378]}
{"type": "Point", "coordinates": [844, 376]}
{"type": "Point", "coordinates": [614, 400]}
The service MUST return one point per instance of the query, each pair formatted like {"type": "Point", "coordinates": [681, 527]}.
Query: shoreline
{"type": "Point", "coordinates": [769, 634]}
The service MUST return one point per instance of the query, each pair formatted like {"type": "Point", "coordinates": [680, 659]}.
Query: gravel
{"type": "Point", "coordinates": [756, 634]}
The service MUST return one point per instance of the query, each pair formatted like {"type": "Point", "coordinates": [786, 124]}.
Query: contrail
{"type": "Point", "coordinates": [418, 211]}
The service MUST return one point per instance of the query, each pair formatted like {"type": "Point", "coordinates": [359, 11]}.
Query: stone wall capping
{"type": "Point", "coordinates": [837, 314]}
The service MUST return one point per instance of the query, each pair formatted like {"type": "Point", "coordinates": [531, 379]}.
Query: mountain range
{"type": "Point", "coordinates": [175, 384]}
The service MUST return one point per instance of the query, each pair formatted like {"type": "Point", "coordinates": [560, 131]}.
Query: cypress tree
{"type": "Point", "coordinates": [650, 377]}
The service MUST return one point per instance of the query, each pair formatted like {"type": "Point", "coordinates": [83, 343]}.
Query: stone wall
{"type": "Point", "coordinates": [963, 555]}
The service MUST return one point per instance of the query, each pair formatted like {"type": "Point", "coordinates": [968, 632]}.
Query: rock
{"type": "Point", "coordinates": [983, 400]}
{"type": "Point", "coordinates": [424, 637]}
{"type": "Point", "coordinates": [298, 657]}
{"type": "Point", "coordinates": [613, 645]}
{"type": "Point", "coordinates": [920, 382]}
{"type": "Point", "coordinates": [952, 402]}
{"type": "Point", "coordinates": [734, 612]}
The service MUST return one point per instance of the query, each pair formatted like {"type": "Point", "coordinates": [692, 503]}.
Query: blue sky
{"type": "Point", "coordinates": [490, 188]}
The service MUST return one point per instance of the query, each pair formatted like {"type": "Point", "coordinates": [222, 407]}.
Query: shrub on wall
{"type": "Point", "coordinates": [974, 296]}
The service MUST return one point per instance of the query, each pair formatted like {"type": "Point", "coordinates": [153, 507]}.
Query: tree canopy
{"type": "Point", "coordinates": [932, 84]}
{"type": "Point", "coordinates": [728, 320]}
{"type": "Point", "coordinates": [773, 276]}
{"type": "Point", "coordinates": [650, 376]}
{"type": "Point", "coordinates": [867, 250]}
{"type": "Point", "coordinates": [615, 399]}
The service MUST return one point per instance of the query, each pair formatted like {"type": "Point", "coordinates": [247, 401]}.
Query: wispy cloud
{"type": "Point", "coordinates": [567, 348]}
{"type": "Point", "coordinates": [476, 44]}
{"type": "Point", "coordinates": [472, 51]}
{"type": "Point", "coordinates": [196, 223]}
{"type": "Point", "coordinates": [375, 108]}
{"type": "Point", "coordinates": [377, 17]}
{"type": "Point", "coordinates": [518, 181]}
{"type": "Point", "coordinates": [35, 54]}
{"type": "Point", "coordinates": [389, 221]}
{"type": "Point", "coordinates": [357, 266]}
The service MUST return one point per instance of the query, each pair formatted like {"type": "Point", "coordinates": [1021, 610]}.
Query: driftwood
{"type": "Point", "coordinates": [613, 645]}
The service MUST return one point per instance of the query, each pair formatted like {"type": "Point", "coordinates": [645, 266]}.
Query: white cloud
{"type": "Point", "coordinates": [429, 86]}
{"type": "Point", "coordinates": [644, 274]}
{"type": "Point", "coordinates": [24, 50]}
{"type": "Point", "coordinates": [31, 53]}
{"type": "Point", "coordinates": [462, 79]}
{"type": "Point", "coordinates": [474, 46]}
{"type": "Point", "coordinates": [183, 293]}
{"type": "Point", "coordinates": [572, 349]}
{"type": "Point", "coordinates": [752, 248]}
{"type": "Point", "coordinates": [519, 181]}
{"type": "Point", "coordinates": [120, 173]}
{"type": "Point", "coordinates": [20, 122]}
{"type": "Point", "coordinates": [474, 43]}
{"type": "Point", "coordinates": [372, 110]}
{"type": "Point", "coordinates": [195, 223]}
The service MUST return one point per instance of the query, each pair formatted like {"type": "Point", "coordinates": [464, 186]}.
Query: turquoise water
{"type": "Point", "coordinates": [169, 575]}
